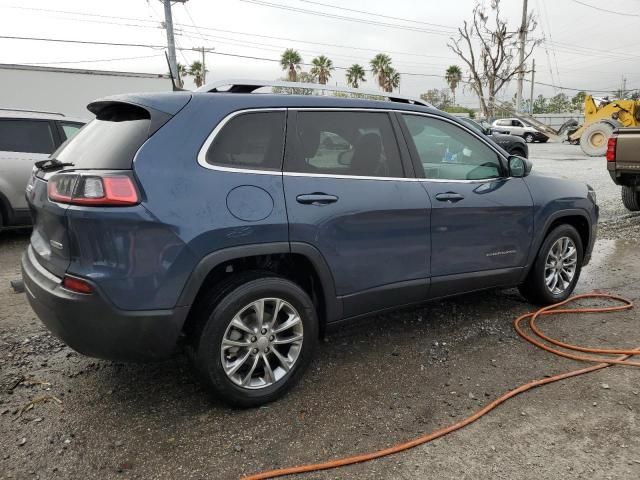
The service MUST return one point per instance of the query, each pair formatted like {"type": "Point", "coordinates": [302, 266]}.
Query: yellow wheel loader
{"type": "Point", "coordinates": [599, 122]}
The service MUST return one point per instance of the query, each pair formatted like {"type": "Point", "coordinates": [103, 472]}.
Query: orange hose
{"type": "Point", "coordinates": [600, 363]}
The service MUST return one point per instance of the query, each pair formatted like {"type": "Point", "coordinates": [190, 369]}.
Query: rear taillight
{"type": "Point", "coordinates": [611, 148]}
{"type": "Point", "coordinates": [77, 285]}
{"type": "Point", "coordinates": [91, 189]}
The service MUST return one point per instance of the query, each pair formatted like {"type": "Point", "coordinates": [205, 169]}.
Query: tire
{"type": "Point", "coordinates": [594, 139]}
{"type": "Point", "coordinates": [535, 288]}
{"type": "Point", "coordinates": [631, 199]}
{"type": "Point", "coordinates": [529, 138]}
{"type": "Point", "coordinates": [236, 302]}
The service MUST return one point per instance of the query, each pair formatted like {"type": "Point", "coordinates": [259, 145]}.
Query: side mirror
{"type": "Point", "coordinates": [487, 131]}
{"type": "Point", "coordinates": [519, 166]}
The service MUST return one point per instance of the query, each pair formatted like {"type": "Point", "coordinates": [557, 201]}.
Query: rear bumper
{"type": "Point", "coordinates": [91, 325]}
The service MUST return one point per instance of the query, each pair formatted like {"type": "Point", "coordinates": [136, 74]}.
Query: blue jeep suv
{"type": "Point", "coordinates": [241, 225]}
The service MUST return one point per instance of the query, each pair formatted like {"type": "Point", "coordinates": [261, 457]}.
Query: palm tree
{"type": "Point", "coordinates": [355, 75]}
{"type": "Point", "coordinates": [453, 75]}
{"type": "Point", "coordinates": [391, 79]}
{"type": "Point", "coordinates": [195, 70]}
{"type": "Point", "coordinates": [379, 63]}
{"type": "Point", "coordinates": [182, 72]}
{"type": "Point", "coordinates": [321, 69]}
{"type": "Point", "coordinates": [291, 60]}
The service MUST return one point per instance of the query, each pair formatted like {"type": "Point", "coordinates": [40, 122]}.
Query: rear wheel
{"type": "Point", "coordinates": [257, 341]}
{"type": "Point", "coordinates": [594, 139]}
{"type": "Point", "coordinates": [529, 138]}
{"type": "Point", "coordinates": [556, 269]}
{"type": "Point", "coordinates": [631, 199]}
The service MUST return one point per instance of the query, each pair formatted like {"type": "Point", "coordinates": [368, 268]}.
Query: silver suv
{"type": "Point", "coordinates": [515, 126]}
{"type": "Point", "coordinates": [25, 138]}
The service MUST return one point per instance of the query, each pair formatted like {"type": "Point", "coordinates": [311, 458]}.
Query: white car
{"type": "Point", "coordinates": [25, 138]}
{"type": "Point", "coordinates": [515, 126]}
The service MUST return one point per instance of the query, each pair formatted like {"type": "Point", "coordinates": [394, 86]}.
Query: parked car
{"type": "Point", "coordinates": [515, 126]}
{"type": "Point", "coordinates": [223, 221]}
{"type": "Point", "coordinates": [25, 138]}
{"type": "Point", "coordinates": [512, 144]}
{"type": "Point", "coordinates": [623, 164]}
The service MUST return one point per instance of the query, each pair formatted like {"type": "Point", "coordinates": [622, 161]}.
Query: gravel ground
{"type": "Point", "coordinates": [374, 383]}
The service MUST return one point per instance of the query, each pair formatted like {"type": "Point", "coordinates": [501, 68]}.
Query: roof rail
{"type": "Point", "coordinates": [30, 111]}
{"type": "Point", "coordinates": [249, 86]}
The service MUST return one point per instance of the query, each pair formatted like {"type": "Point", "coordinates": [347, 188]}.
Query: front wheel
{"type": "Point", "coordinates": [257, 341]}
{"type": "Point", "coordinates": [529, 138]}
{"type": "Point", "coordinates": [556, 269]}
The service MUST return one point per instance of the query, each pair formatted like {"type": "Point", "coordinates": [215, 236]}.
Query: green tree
{"type": "Point", "coordinates": [290, 61]}
{"type": "Point", "coordinates": [182, 72]}
{"type": "Point", "coordinates": [379, 66]}
{"type": "Point", "coordinates": [391, 79]}
{"type": "Point", "coordinates": [196, 71]}
{"type": "Point", "coordinates": [438, 98]}
{"type": "Point", "coordinates": [577, 101]}
{"type": "Point", "coordinates": [540, 105]}
{"type": "Point", "coordinates": [453, 76]}
{"type": "Point", "coordinates": [321, 70]}
{"type": "Point", "coordinates": [355, 75]}
{"type": "Point", "coordinates": [559, 103]}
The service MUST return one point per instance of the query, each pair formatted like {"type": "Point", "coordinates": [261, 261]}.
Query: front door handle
{"type": "Point", "coordinates": [449, 197]}
{"type": "Point", "coordinates": [316, 199]}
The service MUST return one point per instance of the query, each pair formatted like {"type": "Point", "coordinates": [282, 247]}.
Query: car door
{"type": "Point", "coordinates": [481, 219]}
{"type": "Point", "coordinates": [350, 196]}
{"type": "Point", "coordinates": [22, 143]}
{"type": "Point", "coordinates": [517, 128]}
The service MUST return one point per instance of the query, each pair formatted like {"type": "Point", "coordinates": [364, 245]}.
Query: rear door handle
{"type": "Point", "coordinates": [449, 197]}
{"type": "Point", "coordinates": [316, 199]}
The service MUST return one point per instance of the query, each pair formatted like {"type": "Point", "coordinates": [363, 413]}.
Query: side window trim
{"type": "Point", "coordinates": [202, 153]}
{"type": "Point", "coordinates": [416, 158]}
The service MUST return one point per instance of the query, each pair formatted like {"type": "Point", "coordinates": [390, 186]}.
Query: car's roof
{"type": "Point", "coordinates": [252, 100]}
{"type": "Point", "coordinates": [35, 115]}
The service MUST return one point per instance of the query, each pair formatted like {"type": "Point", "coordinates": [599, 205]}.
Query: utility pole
{"type": "Point", "coordinates": [168, 25]}
{"type": "Point", "coordinates": [523, 39]}
{"type": "Point", "coordinates": [204, 67]}
{"type": "Point", "coordinates": [533, 80]}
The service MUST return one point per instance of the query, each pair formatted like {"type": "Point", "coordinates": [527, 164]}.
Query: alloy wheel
{"type": "Point", "coordinates": [262, 343]}
{"type": "Point", "coordinates": [560, 265]}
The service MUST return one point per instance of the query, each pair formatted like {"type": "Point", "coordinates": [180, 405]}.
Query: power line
{"type": "Point", "coordinates": [234, 32]}
{"type": "Point", "coordinates": [143, 45]}
{"type": "Point", "coordinates": [378, 14]}
{"type": "Point", "coordinates": [92, 61]}
{"type": "Point", "coordinates": [341, 17]}
{"type": "Point", "coordinates": [607, 11]}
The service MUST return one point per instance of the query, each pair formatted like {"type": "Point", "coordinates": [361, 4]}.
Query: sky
{"type": "Point", "coordinates": [583, 46]}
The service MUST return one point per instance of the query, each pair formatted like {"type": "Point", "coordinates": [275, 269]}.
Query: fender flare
{"type": "Point", "coordinates": [333, 305]}
{"type": "Point", "coordinates": [572, 212]}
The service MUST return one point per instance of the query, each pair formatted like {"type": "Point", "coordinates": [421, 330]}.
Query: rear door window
{"type": "Point", "coordinates": [253, 141]}
{"type": "Point", "coordinates": [344, 143]}
{"type": "Point", "coordinates": [28, 136]}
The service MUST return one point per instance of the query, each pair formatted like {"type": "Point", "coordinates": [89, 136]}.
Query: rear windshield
{"type": "Point", "coordinates": [108, 142]}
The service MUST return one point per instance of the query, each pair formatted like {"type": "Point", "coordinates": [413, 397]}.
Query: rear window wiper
{"type": "Point", "coordinates": [52, 164]}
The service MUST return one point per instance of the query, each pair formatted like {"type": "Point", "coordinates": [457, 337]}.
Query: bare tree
{"type": "Point", "coordinates": [489, 49]}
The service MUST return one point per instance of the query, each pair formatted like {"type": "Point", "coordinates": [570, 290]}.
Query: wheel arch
{"type": "Point", "coordinates": [577, 218]}
{"type": "Point", "coordinates": [299, 262]}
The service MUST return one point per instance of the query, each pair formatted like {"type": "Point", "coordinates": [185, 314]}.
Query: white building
{"type": "Point", "coordinates": [69, 90]}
